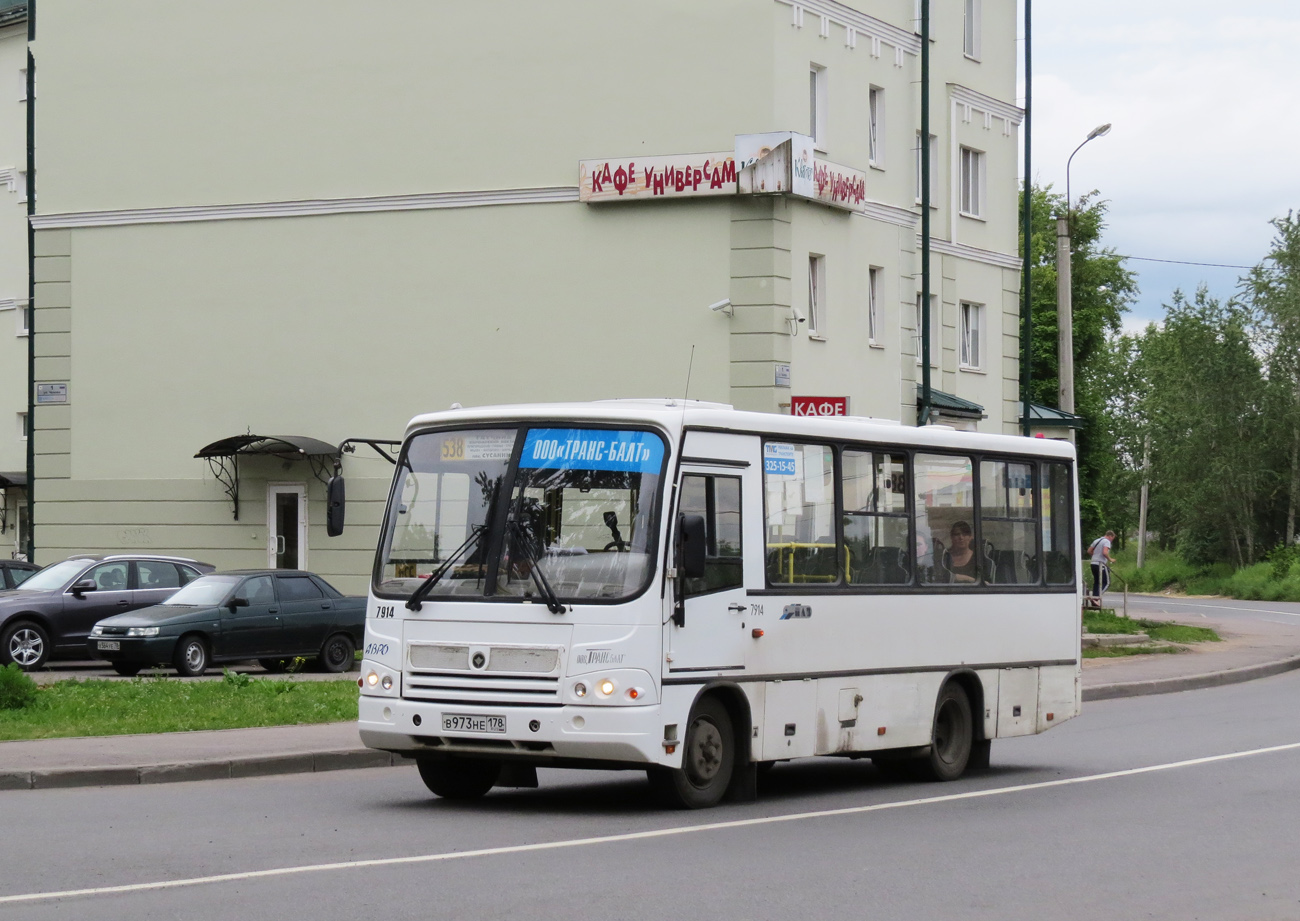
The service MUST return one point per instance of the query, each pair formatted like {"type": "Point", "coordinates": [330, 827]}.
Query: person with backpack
{"type": "Point", "coordinates": [1099, 554]}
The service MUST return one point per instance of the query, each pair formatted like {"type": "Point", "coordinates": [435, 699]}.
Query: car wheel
{"type": "Point", "coordinates": [338, 654]}
{"type": "Point", "coordinates": [26, 644]}
{"type": "Point", "coordinates": [127, 669]}
{"type": "Point", "coordinates": [191, 659]}
{"type": "Point", "coordinates": [708, 759]}
{"type": "Point", "coordinates": [277, 666]}
{"type": "Point", "coordinates": [461, 779]}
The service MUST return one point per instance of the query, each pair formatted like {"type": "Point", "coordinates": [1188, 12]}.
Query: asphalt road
{"type": "Point", "coordinates": [1100, 818]}
{"type": "Point", "coordinates": [1187, 609]}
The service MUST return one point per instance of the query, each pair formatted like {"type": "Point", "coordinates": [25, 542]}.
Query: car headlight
{"type": "Point", "coordinates": [97, 630]}
{"type": "Point", "coordinates": [141, 631]}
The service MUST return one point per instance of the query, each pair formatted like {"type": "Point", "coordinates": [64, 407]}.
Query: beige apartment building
{"type": "Point", "coordinates": [13, 278]}
{"type": "Point", "coordinates": [293, 221]}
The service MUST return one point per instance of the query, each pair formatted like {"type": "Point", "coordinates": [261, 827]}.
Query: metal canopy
{"type": "Point", "coordinates": [950, 405]}
{"type": "Point", "coordinates": [17, 478]}
{"type": "Point", "coordinates": [1050, 417]}
{"type": "Point", "coordinates": [223, 457]}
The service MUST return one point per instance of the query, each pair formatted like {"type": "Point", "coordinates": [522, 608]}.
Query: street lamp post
{"type": "Point", "coordinates": [1064, 306]}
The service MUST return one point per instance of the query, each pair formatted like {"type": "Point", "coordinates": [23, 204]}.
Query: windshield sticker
{"type": "Point", "coordinates": [593, 449]}
{"type": "Point", "coordinates": [778, 459]}
{"type": "Point", "coordinates": [478, 446]}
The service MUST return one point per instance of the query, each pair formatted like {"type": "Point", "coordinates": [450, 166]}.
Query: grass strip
{"type": "Point", "coordinates": [1114, 652]}
{"type": "Point", "coordinates": [1107, 621]}
{"type": "Point", "coordinates": [163, 704]}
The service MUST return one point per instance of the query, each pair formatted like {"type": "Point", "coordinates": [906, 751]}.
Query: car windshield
{"type": "Point", "coordinates": [54, 576]}
{"type": "Point", "coordinates": [580, 514]}
{"type": "Point", "coordinates": [21, 575]}
{"type": "Point", "coordinates": [205, 591]}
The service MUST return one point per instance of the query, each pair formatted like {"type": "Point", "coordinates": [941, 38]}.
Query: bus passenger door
{"type": "Point", "coordinates": [716, 633]}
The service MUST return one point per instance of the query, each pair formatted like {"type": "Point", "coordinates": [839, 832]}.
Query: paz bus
{"type": "Point", "coordinates": [699, 592]}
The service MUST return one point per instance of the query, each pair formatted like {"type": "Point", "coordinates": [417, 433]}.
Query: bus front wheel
{"type": "Point", "coordinates": [953, 736]}
{"type": "Point", "coordinates": [708, 760]}
{"type": "Point", "coordinates": [459, 779]}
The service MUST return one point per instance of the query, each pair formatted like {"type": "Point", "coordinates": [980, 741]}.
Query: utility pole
{"type": "Point", "coordinates": [1142, 506]}
{"type": "Point", "coordinates": [1064, 321]}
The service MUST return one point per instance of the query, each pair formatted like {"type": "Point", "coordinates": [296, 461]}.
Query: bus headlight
{"type": "Point", "coordinates": [605, 687]}
{"type": "Point", "coordinates": [617, 687]}
{"type": "Point", "coordinates": [379, 680]}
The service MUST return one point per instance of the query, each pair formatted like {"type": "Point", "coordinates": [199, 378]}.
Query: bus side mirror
{"type": "Point", "coordinates": [334, 506]}
{"type": "Point", "coordinates": [690, 554]}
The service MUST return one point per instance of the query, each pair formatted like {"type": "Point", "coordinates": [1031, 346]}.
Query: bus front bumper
{"type": "Point", "coordinates": [608, 733]}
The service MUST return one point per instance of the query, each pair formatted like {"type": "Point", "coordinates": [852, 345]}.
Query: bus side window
{"type": "Point", "coordinates": [1007, 522]}
{"type": "Point", "coordinates": [1057, 503]}
{"type": "Point", "coordinates": [875, 518]}
{"type": "Point", "coordinates": [946, 541]}
{"type": "Point", "coordinates": [717, 500]}
{"type": "Point", "coordinates": [802, 545]}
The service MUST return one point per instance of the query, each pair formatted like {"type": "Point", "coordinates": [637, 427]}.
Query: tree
{"type": "Point", "coordinates": [1101, 290]}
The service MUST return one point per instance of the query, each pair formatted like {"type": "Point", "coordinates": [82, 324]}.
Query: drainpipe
{"type": "Point", "coordinates": [31, 285]}
{"type": "Point", "coordinates": [923, 416]}
{"type": "Point", "coordinates": [1027, 315]}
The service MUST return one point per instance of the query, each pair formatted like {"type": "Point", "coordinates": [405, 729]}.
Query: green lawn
{"type": "Point", "coordinates": [85, 708]}
{"type": "Point", "coordinates": [1107, 621]}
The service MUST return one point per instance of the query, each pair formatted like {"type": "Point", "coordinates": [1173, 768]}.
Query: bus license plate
{"type": "Point", "coordinates": [109, 645]}
{"type": "Point", "coordinates": [459, 722]}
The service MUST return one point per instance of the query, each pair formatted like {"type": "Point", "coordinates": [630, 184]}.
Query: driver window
{"type": "Point", "coordinates": [110, 577]}
{"type": "Point", "coordinates": [717, 500]}
{"type": "Point", "coordinates": [257, 590]}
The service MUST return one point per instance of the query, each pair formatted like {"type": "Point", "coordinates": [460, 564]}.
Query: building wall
{"type": "Point", "coordinates": [298, 229]}
{"type": "Point", "coordinates": [13, 272]}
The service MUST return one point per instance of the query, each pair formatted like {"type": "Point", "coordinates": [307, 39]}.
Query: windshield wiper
{"type": "Point", "coordinates": [523, 540]}
{"type": "Point", "coordinates": [417, 596]}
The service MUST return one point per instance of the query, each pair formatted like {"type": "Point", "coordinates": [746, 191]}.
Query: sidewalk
{"type": "Point", "coordinates": [1252, 648]}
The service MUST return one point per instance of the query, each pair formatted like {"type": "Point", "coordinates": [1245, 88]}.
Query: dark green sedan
{"type": "Point", "coordinates": [272, 615]}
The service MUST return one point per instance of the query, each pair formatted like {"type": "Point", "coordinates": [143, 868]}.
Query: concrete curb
{"type": "Point", "coordinates": [1191, 682]}
{"type": "Point", "coordinates": [262, 766]}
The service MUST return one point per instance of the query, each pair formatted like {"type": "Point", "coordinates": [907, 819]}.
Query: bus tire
{"type": "Point", "coordinates": [952, 737]}
{"type": "Point", "coordinates": [708, 760]}
{"type": "Point", "coordinates": [459, 779]}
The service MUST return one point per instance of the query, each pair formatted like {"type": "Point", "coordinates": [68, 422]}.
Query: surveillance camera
{"type": "Point", "coordinates": [721, 305]}
{"type": "Point", "coordinates": [799, 318]}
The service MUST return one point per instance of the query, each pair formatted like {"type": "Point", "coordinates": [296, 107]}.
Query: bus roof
{"type": "Point", "coordinates": [674, 415]}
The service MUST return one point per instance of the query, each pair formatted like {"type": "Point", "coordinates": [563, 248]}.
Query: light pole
{"type": "Point", "coordinates": [1064, 307]}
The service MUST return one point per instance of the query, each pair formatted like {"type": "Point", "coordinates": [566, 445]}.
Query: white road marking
{"type": "Point", "coordinates": [632, 836]}
{"type": "Point", "coordinates": [1221, 607]}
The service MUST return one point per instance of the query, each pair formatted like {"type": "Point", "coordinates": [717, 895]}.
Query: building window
{"type": "Point", "coordinates": [971, 29]}
{"type": "Point", "coordinates": [20, 179]}
{"type": "Point", "coordinates": [876, 115]}
{"type": "Point", "coordinates": [22, 85]}
{"type": "Point", "coordinates": [972, 182]}
{"type": "Point", "coordinates": [873, 306]}
{"type": "Point", "coordinates": [817, 105]}
{"type": "Point", "coordinates": [972, 326]}
{"type": "Point", "coordinates": [934, 169]}
{"type": "Point", "coordinates": [24, 319]}
{"type": "Point", "coordinates": [22, 426]}
{"type": "Point", "coordinates": [916, 17]}
{"type": "Point", "coordinates": [816, 295]}
{"type": "Point", "coordinates": [934, 331]}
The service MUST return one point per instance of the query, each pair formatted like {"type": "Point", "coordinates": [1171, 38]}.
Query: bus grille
{"type": "Point", "coordinates": [481, 689]}
{"type": "Point", "coordinates": [447, 657]}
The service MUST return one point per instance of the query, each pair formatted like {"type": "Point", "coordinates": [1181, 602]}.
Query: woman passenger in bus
{"type": "Point", "coordinates": [961, 561]}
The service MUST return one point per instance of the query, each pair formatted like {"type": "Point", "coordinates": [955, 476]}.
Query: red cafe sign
{"type": "Point", "coordinates": [819, 406]}
{"type": "Point", "coordinates": [640, 178]}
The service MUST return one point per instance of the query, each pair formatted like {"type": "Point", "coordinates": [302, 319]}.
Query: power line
{"type": "Point", "coordinates": [1212, 265]}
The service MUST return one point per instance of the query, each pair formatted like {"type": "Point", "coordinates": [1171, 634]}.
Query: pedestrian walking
{"type": "Point", "coordinates": [1099, 555]}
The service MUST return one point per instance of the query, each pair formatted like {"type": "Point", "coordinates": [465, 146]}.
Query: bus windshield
{"type": "Point", "coordinates": [521, 513]}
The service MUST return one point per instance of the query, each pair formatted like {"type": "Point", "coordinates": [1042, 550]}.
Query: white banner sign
{"type": "Point", "coordinates": [642, 178]}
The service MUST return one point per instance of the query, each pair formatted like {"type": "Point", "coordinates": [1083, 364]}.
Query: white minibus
{"type": "Point", "coordinates": [698, 592]}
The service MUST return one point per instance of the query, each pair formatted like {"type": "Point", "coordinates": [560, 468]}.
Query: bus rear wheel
{"type": "Point", "coordinates": [953, 736]}
{"type": "Point", "coordinates": [708, 760]}
{"type": "Point", "coordinates": [460, 779]}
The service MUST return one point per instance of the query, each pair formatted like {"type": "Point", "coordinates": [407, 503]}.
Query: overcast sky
{"type": "Point", "coordinates": [1205, 147]}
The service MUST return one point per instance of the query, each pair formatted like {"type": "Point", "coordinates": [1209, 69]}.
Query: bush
{"type": "Point", "coordinates": [17, 689]}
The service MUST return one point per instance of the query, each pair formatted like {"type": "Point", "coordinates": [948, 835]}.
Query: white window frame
{"type": "Point", "coordinates": [916, 17]}
{"type": "Point", "coordinates": [934, 330]}
{"type": "Point", "coordinates": [816, 296]}
{"type": "Point", "coordinates": [23, 310]}
{"type": "Point", "coordinates": [22, 84]}
{"type": "Point", "coordinates": [876, 127]}
{"type": "Point", "coordinates": [971, 335]}
{"type": "Point", "coordinates": [22, 426]}
{"type": "Point", "coordinates": [934, 168]}
{"type": "Point", "coordinates": [873, 307]}
{"type": "Point", "coordinates": [972, 18]}
{"type": "Point", "coordinates": [20, 180]}
{"type": "Point", "coordinates": [971, 174]}
{"type": "Point", "coordinates": [817, 103]}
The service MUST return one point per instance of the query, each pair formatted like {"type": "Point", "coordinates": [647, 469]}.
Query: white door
{"type": "Point", "coordinates": [720, 480]}
{"type": "Point", "coordinates": [286, 525]}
